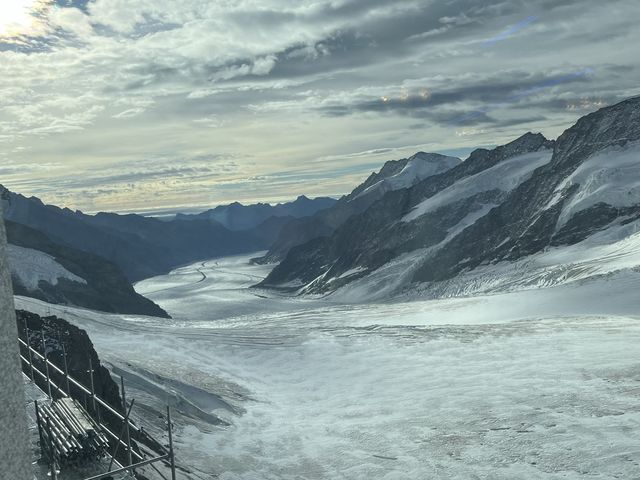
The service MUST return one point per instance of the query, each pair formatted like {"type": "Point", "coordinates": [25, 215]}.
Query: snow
{"type": "Point", "coordinates": [352, 271]}
{"type": "Point", "coordinates": [526, 384]}
{"type": "Point", "coordinates": [33, 266]}
{"type": "Point", "coordinates": [611, 176]}
{"type": "Point", "coordinates": [418, 168]}
{"type": "Point", "coordinates": [505, 176]}
{"type": "Point", "coordinates": [388, 280]}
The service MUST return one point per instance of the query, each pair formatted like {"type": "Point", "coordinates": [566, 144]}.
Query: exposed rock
{"type": "Point", "coordinates": [394, 175]}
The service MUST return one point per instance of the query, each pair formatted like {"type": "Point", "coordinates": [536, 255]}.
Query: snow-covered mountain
{"type": "Point", "coordinates": [394, 175]}
{"type": "Point", "coordinates": [499, 207]}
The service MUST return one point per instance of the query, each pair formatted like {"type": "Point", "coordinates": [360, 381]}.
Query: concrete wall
{"type": "Point", "coordinates": [15, 456]}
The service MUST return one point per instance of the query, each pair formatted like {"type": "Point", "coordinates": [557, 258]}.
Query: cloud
{"type": "Point", "coordinates": [102, 86]}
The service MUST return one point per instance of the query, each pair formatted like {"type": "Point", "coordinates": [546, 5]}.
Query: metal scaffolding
{"type": "Point", "coordinates": [63, 424]}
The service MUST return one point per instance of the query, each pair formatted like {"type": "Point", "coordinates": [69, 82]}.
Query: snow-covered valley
{"type": "Point", "coordinates": [528, 384]}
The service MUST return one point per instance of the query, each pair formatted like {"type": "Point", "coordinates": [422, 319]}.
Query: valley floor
{"type": "Point", "coordinates": [533, 384]}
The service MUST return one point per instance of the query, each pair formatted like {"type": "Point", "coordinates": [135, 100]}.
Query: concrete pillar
{"type": "Point", "coordinates": [15, 454]}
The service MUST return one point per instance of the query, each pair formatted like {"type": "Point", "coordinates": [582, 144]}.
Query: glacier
{"type": "Point", "coordinates": [536, 380]}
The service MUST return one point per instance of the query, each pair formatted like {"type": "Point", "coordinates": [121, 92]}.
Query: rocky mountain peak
{"type": "Point", "coordinates": [610, 126]}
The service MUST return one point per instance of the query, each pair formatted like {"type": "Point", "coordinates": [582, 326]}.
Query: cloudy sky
{"type": "Point", "coordinates": [152, 105]}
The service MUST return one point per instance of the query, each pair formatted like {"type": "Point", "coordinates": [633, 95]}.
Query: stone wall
{"type": "Point", "coordinates": [14, 451]}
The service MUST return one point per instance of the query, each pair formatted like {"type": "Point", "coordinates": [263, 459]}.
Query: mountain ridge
{"type": "Point", "coordinates": [323, 223]}
{"type": "Point", "coordinates": [499, 205]}
{"type": "Point", "coordinates": [239, 217]}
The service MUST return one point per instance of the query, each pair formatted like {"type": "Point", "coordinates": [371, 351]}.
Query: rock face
{"type": "Point", "coordinates": [57, 274]}
{"type": "Point", "coordinates": [498, 205]}
{"type": "Point", "coordinates": [526, 222]}
{"type": "Point", "coordinates": [394, 175]}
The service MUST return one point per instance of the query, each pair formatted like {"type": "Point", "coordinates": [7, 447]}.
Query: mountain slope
{"type": "Point", "coordinates": [238, 217]}
{"type": "Point", "coordinates": [142, 247]}
{"type": "Point", "coordinates": [54, 273]}
{"type": "Point", "coordinates": [394, 175]}
{"type": "Point", "coordinates": [498, 207]}
{"type": "Point", "coordinates": [550, 209]}
{"type": "Point", "coordinates": [402, 221]}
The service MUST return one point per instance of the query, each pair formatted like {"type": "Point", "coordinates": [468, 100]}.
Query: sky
{"type": "Point", "coordinates": [164, 105]}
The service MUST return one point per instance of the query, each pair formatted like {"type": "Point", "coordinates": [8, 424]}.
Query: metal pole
{"type": "Point", "coordinates": [126, 419]}
{"type": "Point", "coordinates": [137, 465]}
{"type": "Point", "coordinates": [117, 413]}
{"type": "Point", "coordinates": [93, 391]}
{"type": "Point", "coordinates": [39, 428]}
{"type": "Point", "coordinates": [106, 406]}
{"type": "Point", "coordinates": [26, 329]}
{"type": "Point", "coordinates": [66, 366]}
{"type": "Point", "coordinates": [126, 422]}
{"type": "Point", "coordinates": [52, 458]}
{"type": "Point", "coordinates": [46, 363]}
{"type": "Point", "coordinates": [173, 460]}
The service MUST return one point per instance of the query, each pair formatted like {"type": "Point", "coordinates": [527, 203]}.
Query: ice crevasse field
{"type": "Point", "coordinates": [532, 371]}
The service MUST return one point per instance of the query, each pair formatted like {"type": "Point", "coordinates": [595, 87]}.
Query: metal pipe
{"type": "Point", "coordinates": [26, 332]}
{"type": "Point", "coordinates": [42, 374]}
{"type": "Point", "coordinates": [101, 425]}
{"type": "Point", "coordinates": [54, 473]}
{"type": "Point", "coordinates": [46, 362]}
{"type": "Point", "coordinates": [124, 405]}
{"type": "Point", "coordinates": [84, 389]}
{"type": "Point", "coordinates": [66, 366]}
{"type": "Point", "coordinates": [123, 469]}
{"type": "Point", "coordinates": [115, 452]}
{"type": "Point", "coordinates": [39, 427]}
{"type": "Point", "coordinates": [173, 460]}
{"type": "Point", "coordinates": [93, 390]}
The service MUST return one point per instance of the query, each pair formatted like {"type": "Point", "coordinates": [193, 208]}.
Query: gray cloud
{"type": "Point", "coordinates": [131, 96]}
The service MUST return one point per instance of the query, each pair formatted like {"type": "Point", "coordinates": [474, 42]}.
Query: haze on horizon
{"type": "Point", "coordinates": [140, 105]}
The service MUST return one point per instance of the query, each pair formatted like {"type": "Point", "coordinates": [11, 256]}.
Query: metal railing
{"type": "Point", "coordinates": [127, 426]}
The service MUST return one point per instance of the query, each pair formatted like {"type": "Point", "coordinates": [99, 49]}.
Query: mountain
{"type": "Point", "coordinates": [57, 274]}
{"type": "Point", "coordinates": [394, 175]}
{"type": "Point", "coordinates": [238, 217]}
{"type": "Point", "coordinates": [498, 207]}
{"type": "Point", "coordinates": [142, 247]}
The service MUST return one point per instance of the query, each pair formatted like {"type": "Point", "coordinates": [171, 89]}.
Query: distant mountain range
{"type": "Point", "coordinates": [238, 217]}
{"type": "Point", "coordinates": [498, 206]}
{"type": "Point", "coordinates": [65, 256]}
